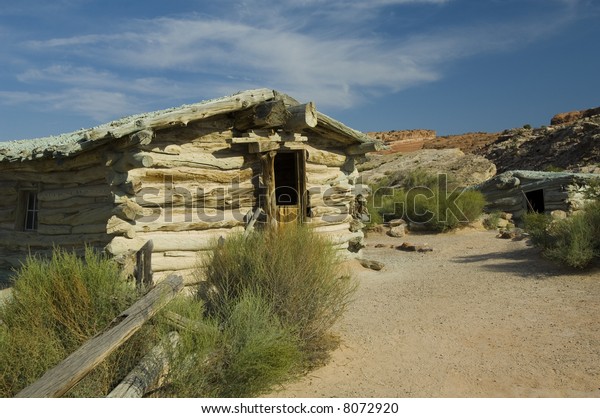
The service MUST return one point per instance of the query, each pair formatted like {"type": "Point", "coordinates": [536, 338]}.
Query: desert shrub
{"type": "Point", "coordinates": [385, 203]}
{"type": "Point", "coordinates": [492, 220]}
{"type": "Point", "coordinates": [573, 241]}
{"type": "Point", "coordinates": [258, 351]}
{"type": "Point", "coordinates": [242, 353]}
{"type": "Point", "coordinates": [421, 197]}
{"type": "Point", "coordinates": [415, 179]}
{"type": "Point", "coordinates": [56, 305]}
{"type": "Point", "coordinates": [294, 269]}
{"type": "Point", "coordinates": [445, 211]}
{"type": "Point", "coordinates": [536, 225]}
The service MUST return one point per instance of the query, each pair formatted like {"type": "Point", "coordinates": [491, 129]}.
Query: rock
{"type": "Point", "coordinates": [356, 244]}
{"type": "Point", "coordinates": [558, 214]}
{"type": "Point", "coordinates": [502, 223]}
{"type": "Point", "coordinates": [465, 169]}
{"type": "Point", "coordinates": [380, 245]}
{"type": "Point", "coordinates": [573, 116]}
{"type": "Point", "coordinates": [397, 231]}
{"type": "Point", "coordinates": [356, 225]}
{"type": "Point", "coordinates": [396, 222]}
{"type": "Point", "coordinates": [516, 234]}
{"type": "Point", "coordinates": [421, 248]}
{"type": "Point", "coordinates": [506, 215]}
{"type": "Point", "coordinates": [371, 264]}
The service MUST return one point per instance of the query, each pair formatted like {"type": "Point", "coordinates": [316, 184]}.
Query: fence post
{"type": "Point", "coordinates": [143, 266]}
{"type": "Point", "coordinates": [62, 377]}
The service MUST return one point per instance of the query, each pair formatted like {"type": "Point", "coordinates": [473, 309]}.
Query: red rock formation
{"type": "Point", "coordinates": [574, 115]}
{"type": "Point", "coordinates": [404, 141]}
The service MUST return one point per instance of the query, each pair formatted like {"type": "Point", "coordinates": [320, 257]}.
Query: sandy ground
{"type": "Point", "coordinates": [477, 317]}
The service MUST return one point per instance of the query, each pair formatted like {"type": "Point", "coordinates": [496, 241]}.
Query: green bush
{"type": "Point", "coordinates": [420, 197]}
{"type": "Point", "coordinates": [294, 269]}
{"type": "Point", "coordinates": [492, 220]}
{"type": "Point", "coordinates": [258, 350]}
{"type": "Point", "coordinates": [573, 241]}
{"type": "Point", "coordinates": [56, 305]}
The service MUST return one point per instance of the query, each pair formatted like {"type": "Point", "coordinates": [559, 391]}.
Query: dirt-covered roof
{"type": "Point", "coordinates": [72, 143]}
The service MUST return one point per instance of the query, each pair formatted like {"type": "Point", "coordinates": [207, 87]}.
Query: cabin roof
{"type": "Point", "coordinates": [72, 143]}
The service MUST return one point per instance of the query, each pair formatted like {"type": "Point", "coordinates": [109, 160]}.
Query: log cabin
{"type": "Point", "coordinates": [520, 191]}
{"type": "Point", "coordinates": [182, 178]}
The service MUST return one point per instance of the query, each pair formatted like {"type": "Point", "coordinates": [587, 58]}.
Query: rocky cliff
{"type": "Point", "coordinates": [403, 141]}
{"type": "Point", "coordinates": [572, 146]}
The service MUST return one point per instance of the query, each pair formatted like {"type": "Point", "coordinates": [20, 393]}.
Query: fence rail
{"type": "Point", "coordinates": [61, 378]}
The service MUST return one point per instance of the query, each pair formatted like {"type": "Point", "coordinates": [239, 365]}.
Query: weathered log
{"type": "Point", "coordinates": [148, 372]}
{"type": "Point", "coordinates": [223, 161]}
{"type": "Point", "coordinates": [35, 240]}
{"type": "Point", "coordinates": [264, 115]}
{"type": "Point", "coordinates": [361, 149]}
{"type": "Point", "coordinates": [98, 213]}
{"type": "Point", "coordinates": [194, 175]}
{"type": "Point", "coordinates": [331, 158]}
{"type": "Point", "coordinates": [190, 219]}
{"type": "Point", "coordinates": [129, 161]}
{"type": "Point", "coordinates": [117, 226]}
{"type": "Point", "coordinates": [66, 193]}
{"type": "Point", "coordinates": [268, 177]}
{"type": "Point", "coordinates": [7, 215]}
{"type": "Point", "coordinates": [120, 245]}
{"type": "Point", "coordinates": [185, 260]}
{"type": "Point", "coordinates": [44, 229]}
{"type": "Point", "coordinates": [58, 380]}
{"type": "Point", "coordinates": [89, 228]}
{"type": "Point", "coordinates": [301, 117]}
{"type": "Point", "coordinates": [191, 195]}
{"type": "Point", "coordinates": [59, 176]}
{"type": "Point", "coordinates": [74, 202]}
{"type": "Point", "coordinates": [188, 240]}
{"type": "Point", "coordinates": [128, 210]}
{"type": "Point", "coordinates": [143, 265]}
{"type": "Point", "coordinates": [331, 128]}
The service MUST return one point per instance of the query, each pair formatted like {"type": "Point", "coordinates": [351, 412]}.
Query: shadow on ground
{"type": "Point", "coordinates": [524, 262]}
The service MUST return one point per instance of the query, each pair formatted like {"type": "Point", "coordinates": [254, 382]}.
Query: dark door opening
{"type": "Point", "coordinates": [288, 171]}
{"type": "Point", "coordinates": [286, 179]}
{"type": "Point", "coordinates": [535, 199]}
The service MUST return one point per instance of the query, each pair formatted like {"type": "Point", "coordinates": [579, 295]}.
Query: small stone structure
{"type": "Point", "coordinates": [519, 192]}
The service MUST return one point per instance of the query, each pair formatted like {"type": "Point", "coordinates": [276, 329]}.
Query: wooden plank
{"type": "Point", "coordinates": [58, 380]}
{"type": "Point", "coordinates": [143, 268]}
{"type": "Point", "coordinates": [148, 372]}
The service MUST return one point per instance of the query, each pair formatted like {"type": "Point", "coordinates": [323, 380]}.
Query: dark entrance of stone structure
{"type": "Point", "coordinates": [288, 170]}
{"type": "Point", "coordinates": [535, 201]}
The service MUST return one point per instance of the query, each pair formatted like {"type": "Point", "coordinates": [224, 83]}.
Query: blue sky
{"type": "Point", "coordinates": [450, 65]}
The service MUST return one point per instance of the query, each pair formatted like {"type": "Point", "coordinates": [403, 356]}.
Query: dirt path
{"type": "Point", "coordinates": [477, 317]}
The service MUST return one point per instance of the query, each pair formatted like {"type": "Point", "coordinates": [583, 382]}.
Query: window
{"type": "Point", "coordinates": [29, 211]}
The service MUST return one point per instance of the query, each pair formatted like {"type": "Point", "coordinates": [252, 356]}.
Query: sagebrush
{"type": "Point", "coordinates": [56, 305]}
{"type": "Point", "coordinates": [574, 241]}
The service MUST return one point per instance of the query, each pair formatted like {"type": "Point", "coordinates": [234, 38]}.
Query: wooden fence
{"type": "Point", "coordinates": [61, 378]}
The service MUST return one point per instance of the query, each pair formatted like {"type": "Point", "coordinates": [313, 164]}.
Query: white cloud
{"type": "Point", "coordinates": [187, 57]}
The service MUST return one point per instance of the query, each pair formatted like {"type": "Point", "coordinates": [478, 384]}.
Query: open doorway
{"type": "Point", "coordinates": [535, 199]}
{"type": "Point", "coordinates": [288, 170]}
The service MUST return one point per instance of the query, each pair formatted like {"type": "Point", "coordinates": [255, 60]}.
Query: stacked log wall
{"type": "Point", "coordinates": [191, 186]}
{"type": "Point", "coordinates": [74, 203]}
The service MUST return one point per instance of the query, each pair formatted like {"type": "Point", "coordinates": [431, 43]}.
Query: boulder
{"type": "Point", "coordinates": [421, 248]}
{"type": "Point", "coordinates": [396, 222]}
{"type": "Point", "coordinates": [371, 264]}
{"type": "Point", "coordinates": [397, 231]}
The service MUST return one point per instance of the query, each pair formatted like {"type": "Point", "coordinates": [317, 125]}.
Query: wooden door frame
{"type": "Point", "coordinates": [268, 172]}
